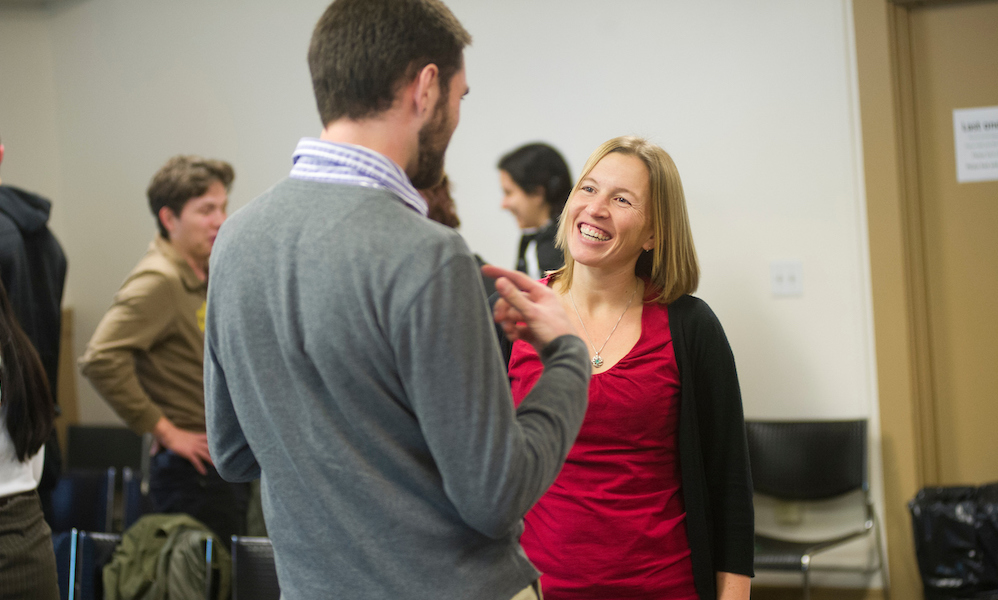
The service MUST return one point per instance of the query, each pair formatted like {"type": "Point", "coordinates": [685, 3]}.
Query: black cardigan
{"type": "Point", "coordinates": [713, 453]}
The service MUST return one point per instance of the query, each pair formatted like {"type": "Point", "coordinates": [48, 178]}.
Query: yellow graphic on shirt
{"type": "Point", "coordinates": [201, 313]}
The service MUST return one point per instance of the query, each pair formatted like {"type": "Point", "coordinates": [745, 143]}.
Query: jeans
{"type": "Point", "coordinates": [175, 486]}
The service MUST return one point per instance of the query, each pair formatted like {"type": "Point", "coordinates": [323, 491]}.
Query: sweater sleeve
{"type": "Point", "coordinates": [141, 312]}
{"type": "Point", "coordinates": [723, 444]}
{"type": "Point", "coordinates": [494, 463]}
{"type": "Point", "coordinates": [230, 451]}
{"type": "Point", "coordinates": [505, 346]}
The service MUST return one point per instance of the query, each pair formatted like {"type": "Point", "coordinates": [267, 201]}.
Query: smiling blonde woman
{"type": "Point", "coordinates": [654, 500]}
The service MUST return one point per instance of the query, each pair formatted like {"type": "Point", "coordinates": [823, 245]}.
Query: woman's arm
{"type": "Point", "coordinates": [731, 586]}
{"type": "Point", "coordinates": [721, 427]}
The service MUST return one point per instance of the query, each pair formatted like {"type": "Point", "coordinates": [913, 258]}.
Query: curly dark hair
{"type": "Point", "coordinates": [442, 208]}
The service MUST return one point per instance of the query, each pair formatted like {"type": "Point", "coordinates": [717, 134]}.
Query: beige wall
{"type": "Point", "coordinates": [28, 106]}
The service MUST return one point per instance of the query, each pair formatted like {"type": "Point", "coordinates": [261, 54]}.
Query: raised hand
{"type": "Point", "coordinates": [528, 310]}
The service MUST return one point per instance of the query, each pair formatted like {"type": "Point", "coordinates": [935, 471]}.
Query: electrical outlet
{"type": "Point", "coordinates": [787, 278]}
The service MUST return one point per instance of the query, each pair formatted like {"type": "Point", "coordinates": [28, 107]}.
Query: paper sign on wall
{"type": "Point", "coordinates": [975, 131]}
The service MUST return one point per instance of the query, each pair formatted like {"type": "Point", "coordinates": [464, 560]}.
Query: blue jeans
{"type": "Point", "coordinates": [175, 486]}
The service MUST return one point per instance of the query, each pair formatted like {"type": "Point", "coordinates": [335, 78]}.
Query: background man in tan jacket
{"type": "Point", "coordinates": [146, 356]}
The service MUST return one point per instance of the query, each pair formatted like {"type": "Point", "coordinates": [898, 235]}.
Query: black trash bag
{"type": "Point", "coordinates": [956, 541]}
{"type": "Point", "coordinates": [987, 533]}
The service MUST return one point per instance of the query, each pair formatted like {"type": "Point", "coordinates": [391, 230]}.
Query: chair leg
{"type": "Point", "coordinates": [882, 563]}
{"type": "Point", "coordinates": [208, 564]}
{"type": "Point", "coordinates": [73, 567]}
{"type": "Point", "coordinates": [805, 567]}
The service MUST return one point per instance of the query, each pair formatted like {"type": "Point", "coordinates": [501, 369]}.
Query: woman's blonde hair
{"type": "Point", "coordinates": [671, 267]}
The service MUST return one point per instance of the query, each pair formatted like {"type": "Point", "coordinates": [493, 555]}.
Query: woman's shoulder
{"type": "Point", "coordinates": [694, 323]}
{"type": "Point", "coordinates": [691, 310]}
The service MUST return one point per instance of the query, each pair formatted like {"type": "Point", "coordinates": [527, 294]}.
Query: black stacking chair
{"type": "Point", "coordinates": [807, 462]}
{"type": "Point", "coordinates": [253, 574]}
{"type": "Point", "coordinates": [211, 577]}
{"type": "Point", "coordinates": [99, 447]}
{"type": "Point", "coordinates": [83, 499]}
{"type": "Point", "coordinates": [135, 503]}
{"type": "Point", "coordinates": [93, 551]}
{"type": "Point", "coordinates": [63, 543]}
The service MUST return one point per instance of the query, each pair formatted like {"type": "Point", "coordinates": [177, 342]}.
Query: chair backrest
{"type": "Point", "coordinates": [62, 544]}
{"type": "Point", "coordinates": [99, 447]}
{"type": "Point", "coordinates": [93, 551]}
{"type": "Point", "coordinates": [254, 576]}
{"type": "Point", "coordinates": [83, 499]}
{"type": "Point", "coordinates": [134, 502]}
{"type": "Point", "coordinates": [807, 460]}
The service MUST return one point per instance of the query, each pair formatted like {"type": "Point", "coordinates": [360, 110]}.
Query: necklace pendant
{"type": "Point", "coordinates": [597, 361]}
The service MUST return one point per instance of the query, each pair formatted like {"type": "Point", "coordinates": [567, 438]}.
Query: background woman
{"type": "Point", "coordinates": [535, 184]}
{"type": "Point", "coordinates": [655, 498]}
{"type": "Point", "coordinates": [27, 562]}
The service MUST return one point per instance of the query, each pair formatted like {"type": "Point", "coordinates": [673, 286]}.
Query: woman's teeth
{"type": "Point", "coordinates": [591, 233]}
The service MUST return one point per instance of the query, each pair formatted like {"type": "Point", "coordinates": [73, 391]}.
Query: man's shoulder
{"type": "Point", "coordinates": [154, 261]}
{"type": "Point", "coordinates": [8, 227]}
{"type": "Point", "coordinates": [9, 196]}
{"type": "Point", "coordinates": [28, 210]}
{"type": "Point", "coordinates": [154, 274]}
{"type": "Point", "coordinates": [335, 215]}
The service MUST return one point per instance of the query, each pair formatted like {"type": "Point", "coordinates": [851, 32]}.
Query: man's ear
{"type": "Point", "coordinates": [168, 219]}
{"type": "Point", "coordinates": [1, 153]}
{"type": "Point", "coordinates": [426, 89]}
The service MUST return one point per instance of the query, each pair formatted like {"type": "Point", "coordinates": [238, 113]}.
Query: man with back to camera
{"type": "Point", "coordinates": [33, 271]}
{"type": "Point", "coordinates": [349, 353]}
{"type": "Point", "coordinates": [146, 356]}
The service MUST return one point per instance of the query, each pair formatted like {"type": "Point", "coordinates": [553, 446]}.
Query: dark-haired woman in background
{"type": "Point", "coordinates": [535, 184]}
{"type": "Point", "coordinates": [27, 562]}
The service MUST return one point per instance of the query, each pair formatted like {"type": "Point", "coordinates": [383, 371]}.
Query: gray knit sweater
{"type": "Point", "coordinates": [350, 359]}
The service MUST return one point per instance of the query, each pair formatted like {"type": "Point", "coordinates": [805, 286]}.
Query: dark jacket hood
{"type": "Point", "coordinates": [29, 211]}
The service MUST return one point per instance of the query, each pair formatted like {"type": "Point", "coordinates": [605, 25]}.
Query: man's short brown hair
{"type": "Point", "coordinates": [363, 51]}
{"type": "Point", "coordinates": [183, 178]}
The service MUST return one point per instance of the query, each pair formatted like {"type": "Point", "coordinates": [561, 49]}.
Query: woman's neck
{"type": "Point", "coordinates": [595, 288]}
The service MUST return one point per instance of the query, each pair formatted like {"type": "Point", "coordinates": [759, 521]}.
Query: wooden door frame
{"type": "Point", "coordinates": [902, 330]}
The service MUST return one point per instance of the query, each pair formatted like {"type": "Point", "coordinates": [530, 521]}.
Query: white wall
{"type": "Point", "coordinates": [755, 101]}
{"type": "Point", "coordinates": [141, 81]}
{"type": "Point", "coordinates": [28, 106]}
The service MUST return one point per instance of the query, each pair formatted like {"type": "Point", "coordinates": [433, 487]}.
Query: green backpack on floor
{"type": "Point", "coordinates": [162, 557]}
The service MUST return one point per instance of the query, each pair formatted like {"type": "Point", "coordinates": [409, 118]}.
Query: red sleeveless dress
{"type": "Point", "coordinates": [613, 525]}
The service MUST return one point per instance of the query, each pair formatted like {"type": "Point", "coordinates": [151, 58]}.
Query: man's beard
{"type": "Point", "coordinates": [433, 139]}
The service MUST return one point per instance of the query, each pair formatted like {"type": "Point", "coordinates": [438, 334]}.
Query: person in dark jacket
{"type": "Point", "coordinates": [655, 498]}
{"type": "Point", "coordinates": [33, 271]}
{"type": "Point", "coordinates": [535, 184]}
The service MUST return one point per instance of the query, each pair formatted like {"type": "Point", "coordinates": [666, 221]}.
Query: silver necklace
{"type": "Point", "coordinates": [597, 360]}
